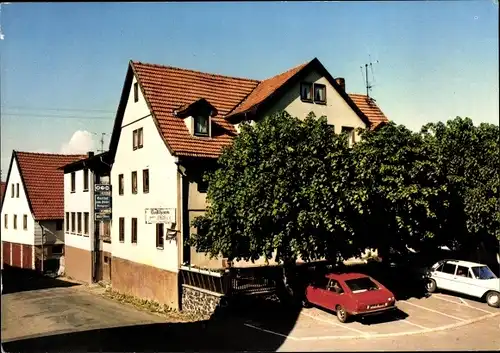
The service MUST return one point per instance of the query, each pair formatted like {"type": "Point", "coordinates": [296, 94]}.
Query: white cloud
{"type": "Point", "coordinates": [80, 143]}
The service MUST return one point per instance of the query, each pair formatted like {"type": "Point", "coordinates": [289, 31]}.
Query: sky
{"type": "Point", "coordinates": [63, 65]}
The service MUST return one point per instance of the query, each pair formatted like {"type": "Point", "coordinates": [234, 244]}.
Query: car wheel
{"type": "Point", "coordinates": [493, 299]}
{"type": "Point", "coordinates": [431, 286]}
{"type": "Point", "coordinates": [342, 315]}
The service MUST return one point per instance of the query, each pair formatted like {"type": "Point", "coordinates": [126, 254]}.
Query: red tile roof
{"type": "Point", "coordinates": [168, 88]}
{"type": "Point", "coordinates": [44, 182]}
{"type": "Point", "coordinates": [369, 108]}
{"type": "Point", "coordinates": [265, 89]}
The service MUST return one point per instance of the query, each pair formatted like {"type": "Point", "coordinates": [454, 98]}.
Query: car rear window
{"type": "Point", "coordinates": [361, 284]}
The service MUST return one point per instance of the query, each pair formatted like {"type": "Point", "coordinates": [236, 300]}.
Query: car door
{"type": "Point", "coordinates": [316, 291]}
{"type": "Point", "coordinates": [460, 282]}
{"type": "Point", "coordinates": [334, 295]}
{"type": "Point", "coordinates": [444, 275]}
{"type": "Point", "coordinates": [476, 287]}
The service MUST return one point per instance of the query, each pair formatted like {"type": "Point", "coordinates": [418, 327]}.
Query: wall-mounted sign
{"type": "Point", "coordinates": [160, 215]}
{"type": "Point", "coordinates": [102, 202]}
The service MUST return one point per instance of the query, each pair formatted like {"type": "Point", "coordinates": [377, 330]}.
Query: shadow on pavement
{"type": "Point", "coordinates": [224, 331]}
{"type": "Point", "coordinates": [21, 280]}
{"type": "Point", "coordinates": [392, 316]}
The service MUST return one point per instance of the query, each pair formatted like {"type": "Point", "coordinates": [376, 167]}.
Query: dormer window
{"type": "Point", "coordinates": [201, 125]}
{"type": "Point", "coordinates": [197, 116]}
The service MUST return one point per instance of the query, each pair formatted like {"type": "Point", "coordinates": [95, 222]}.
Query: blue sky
{"type": "Point", "coordinates": [437, 60]}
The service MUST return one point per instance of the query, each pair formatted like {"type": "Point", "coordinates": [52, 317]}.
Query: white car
{"type": "Point", "coordinates": [476, 280]}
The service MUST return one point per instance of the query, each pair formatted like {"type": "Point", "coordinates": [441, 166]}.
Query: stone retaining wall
{"type": "Point", "coordinates": [200, 301]}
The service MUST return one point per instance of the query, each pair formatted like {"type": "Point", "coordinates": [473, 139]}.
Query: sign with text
{"type": "Point", "coordinates": [159, 215]}
{"type": "Point", "coordinates": [102, 202]}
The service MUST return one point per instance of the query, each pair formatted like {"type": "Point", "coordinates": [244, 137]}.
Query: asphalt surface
{"type": "Point", "coordinates": [50, 315]}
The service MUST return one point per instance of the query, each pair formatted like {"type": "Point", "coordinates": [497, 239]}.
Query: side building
{"type": "Point", "coordinates": [32, 214]}
{"type": "Point", "coordinates": [87, 237]}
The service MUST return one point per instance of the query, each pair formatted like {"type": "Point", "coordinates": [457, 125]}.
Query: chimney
{"type": "Point", "coordinates": [341, 82]}
{"type": "Point", "coordinates": [90, 154]}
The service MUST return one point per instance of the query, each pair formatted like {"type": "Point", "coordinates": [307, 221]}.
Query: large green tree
{"type": "Point", "coordinates": [280, 187]}
{"type": "Point", "coordinates": [398, 195]}
{"type": "Point", "coordinates": [469, 156]}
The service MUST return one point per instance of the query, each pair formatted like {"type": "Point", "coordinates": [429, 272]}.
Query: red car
{"type": "Point", "coordinates": [349, 294]}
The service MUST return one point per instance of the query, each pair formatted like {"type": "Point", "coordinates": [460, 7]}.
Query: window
{"type": "Point", "coordinates": [15, 221]}
{"type": "Point", "coordinates": [319, 93]}
{"type": "Point", "coordinates": [121, 229]}
{"type": "Point", "coordinates": [159, 235]}
{"type": "Point", "coordinates": [201, 125]}
{"type": "Point", "coordinates": [72, 222]}
{"type": "Point", "coordinates": [462, 271]}
{"type": "Point", "coordinates": [449, 268]}
{"type": "Point", "coordinates": [134, 182]}
{"type": "Point", "coordinates": [5, 221]}
{"type": "Point", "coordinates": [73, 184]}
{"type": "Point", "coordinates": [483, 272]}
{"type": "Point", "coordinates": [17, 190]}
{"type": "Point", "coordinates": [135, 141]}
{"type": "Point", "coordinates": [12, 191]}
{"type": "Point", "coordinates": [85, 179]}
{"type": "Point", "coordinates": [137, 138]}
{"type": "Point", "coordinates": [334, 286]}
{"type": "Point", "coordinates": [120, 184]}
{"type": "Point", "coordinates": [106, 259]}
{"type": "Point", "coordinates": [86, 223]}
{"type": "Point", "coordinates": [361, 284]}
{"type": "Point", "coordinates": [145, 181]}
{"type": "Point", "coordinates": [136, 92]}
{"type": "Point", "coordinates": [59, 225]}
{"type": "Point", "coordinates": [25, 222]}
{"type": "Point", "coordinates": [67, 221]}
{"type": "Point", "coordinates": [79, 222]}
{"type": "Point", "coordinates": [349, 131]}
{"type": "Point", "coordinates": [306, 91]}
{"type": "Point", "coordinates": [134, 230]}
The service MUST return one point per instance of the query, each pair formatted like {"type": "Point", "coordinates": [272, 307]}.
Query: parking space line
{"type": "Point", "coordinates": [335, 324]}
{"type": "Point", "coordinates": [435, 311]}
{"type": "Point", "coordinates": [464, 303]}
{"type": "Point", "coordinates": [269, 331]}
{"type": "Point", "coordinates": [414, 324]}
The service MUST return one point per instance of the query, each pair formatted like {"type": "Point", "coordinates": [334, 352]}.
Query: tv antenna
{"type": "Point", "coordinates": [101, 140]}
{"type": "Point", "coordinates": [369, 85]}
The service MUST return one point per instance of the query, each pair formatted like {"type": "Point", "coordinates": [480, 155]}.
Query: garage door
{"type": "Point", "coordinates": [16, 255]}
{"type": "Point", "coordinates": [27, 256]}
{"type": "Point", "coordinates": [6, 252]}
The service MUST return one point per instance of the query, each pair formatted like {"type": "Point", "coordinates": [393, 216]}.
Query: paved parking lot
{"type": "Point", "coordinates": [414, 316]}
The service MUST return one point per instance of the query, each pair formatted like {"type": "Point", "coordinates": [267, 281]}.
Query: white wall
{"type": "Point", "coordinates": [162, 189]}
{"type": "Point", "coordinates": [78, 201]}
{"type": "Point", "coordinates": [336, 109]}
{"type": "Point", "coordinates": [18, 206]}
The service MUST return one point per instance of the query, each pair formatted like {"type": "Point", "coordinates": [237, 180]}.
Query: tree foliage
{"type": "Point", "coordinates": [277, 189]}
{"type": "Point", "coordinates": [398, 193]}
{"type": "Point", "coordinates": [295, 188]}
{"type": "Point", "coordinates": [469, 156]}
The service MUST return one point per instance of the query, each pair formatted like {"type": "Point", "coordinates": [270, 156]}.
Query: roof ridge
{"type": "Point", "coordinates": [195, 71]}
{"type": "Point", "coordinates": [51, 154]}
